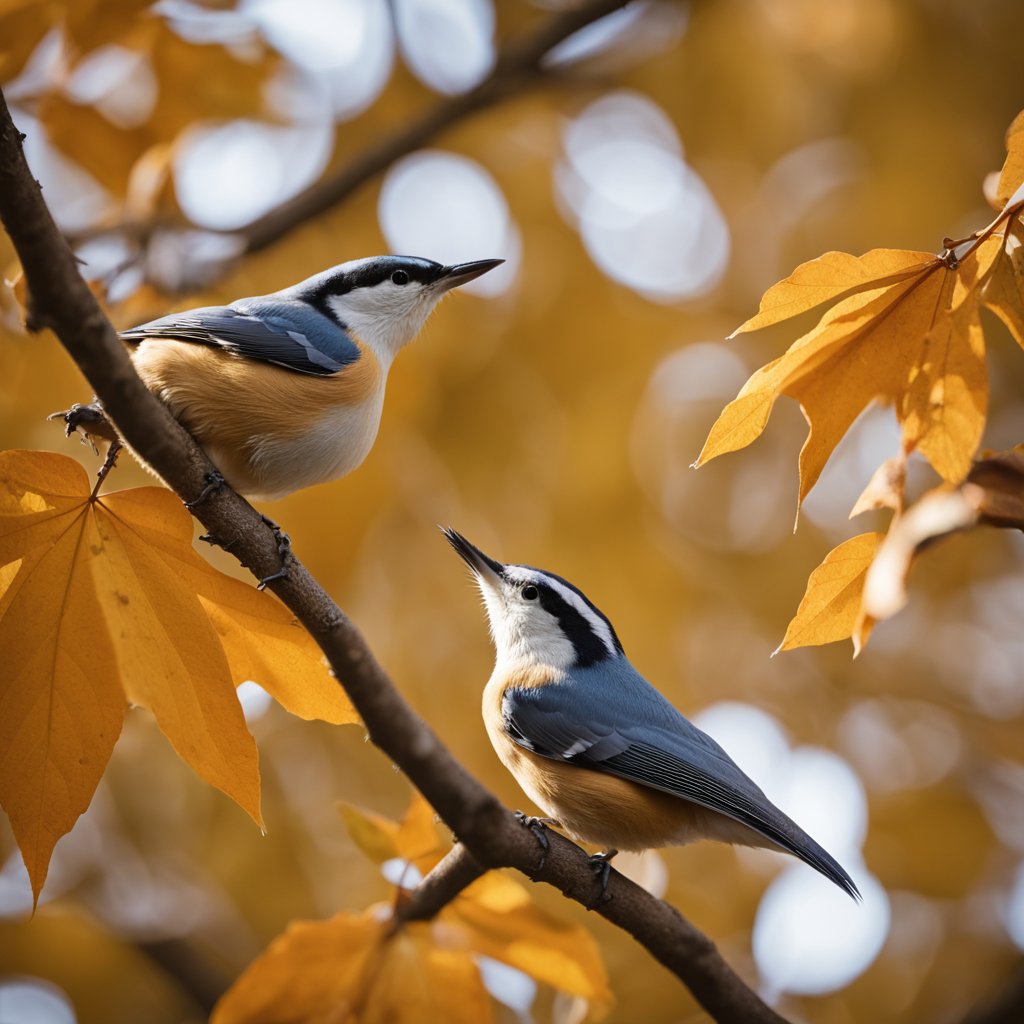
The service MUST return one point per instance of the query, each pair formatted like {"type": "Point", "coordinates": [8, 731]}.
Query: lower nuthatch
{"type": "Point", "coordinates": [286, 390]}
{"type": "Point", "coordinates": [594, 745]}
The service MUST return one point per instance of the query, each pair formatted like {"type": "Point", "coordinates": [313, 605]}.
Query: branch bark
{"type": "Point", "coordinates": [60, 300]}
{"type": "Point", "coordinates": [446, 880]}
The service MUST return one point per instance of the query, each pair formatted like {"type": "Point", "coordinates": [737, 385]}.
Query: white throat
{"type": "Point", "coordinates": [524, 639]}
{"type": "Point", "coordinates": [377, 320]}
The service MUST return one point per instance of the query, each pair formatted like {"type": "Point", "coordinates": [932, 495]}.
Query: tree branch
{"type": "Point", "coordinates": [446, 880]}
{"type": "Point", "coordinates": [59, 299]}
{"type": "Point", "coordinates": [518, 66]}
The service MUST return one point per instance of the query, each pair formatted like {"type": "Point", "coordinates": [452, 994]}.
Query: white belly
{"type": "Point", "coordinates": [334, 447]}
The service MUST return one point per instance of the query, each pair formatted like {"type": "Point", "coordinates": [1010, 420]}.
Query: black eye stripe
{"type": "Point", "coordinates": [589, 647]}
{"type": "Point", "coordinates": [371, 272]}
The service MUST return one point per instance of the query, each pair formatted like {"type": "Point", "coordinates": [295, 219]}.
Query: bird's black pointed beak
{"type": "Point", "coordinates": [461, 273]}
{"type": "Point", "coordinates": [483, 567]}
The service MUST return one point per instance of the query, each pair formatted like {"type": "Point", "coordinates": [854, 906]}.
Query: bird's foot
{"type": "Point", "coordinates": [90, 419]}
{"type": "Point", "coordinates": [284, 550]}
{"type": "Point", "coordinates": [539, 827]}
{"type": "Point", "coordinates": [600, 864]}
{"type": "Point", "coordinates": [213, 481]}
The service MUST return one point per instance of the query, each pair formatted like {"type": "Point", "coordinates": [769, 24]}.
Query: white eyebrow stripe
{"type": "Point", "coordinates": [571, 598]}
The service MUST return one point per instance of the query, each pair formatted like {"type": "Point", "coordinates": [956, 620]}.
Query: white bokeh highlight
{"type": "Point", "coordinates": [510, 986]}
{"type": "Point", "coordinates": [254, 699]}
{"type": "Point", "coordinates": [448, 208]}
{"type": "Point", "coordinates": [623, 37]}
{"type": "Point", "coordinates": [698, 372]}
{"type": "Point", "coordinates": [75, 198]}
{"type": "Point", "coordinates": [401, 872]}
{"type": "Point", "coordinates": [1014, 912]}
{"type": "Point", "coordinates": [809, 937]}
{"type": "Point", "coordinates": [646, 218]}
{"type": "Point", "coordinates": [34, 1001]}
{"type": "Point", "coordinates": [118, 81]}
{"type": "Point", "coordinates": [227, 175]}
{"type": "Point", "coordinates": [346, 46]}
{"type": "Point", "coordinates": [447, 44]}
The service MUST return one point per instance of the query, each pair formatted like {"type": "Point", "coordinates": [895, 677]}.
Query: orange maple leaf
{"type": "Point", "coordinates": [105, 603]}
{"type": "Point", "coordinates": [356, 967]}
{"type": "Point", "coordinates": [904, 328]}
{"type": "Point", "coordinates": [831, 607]}
{"type": "Point", "coordinates": [362, 967]}
{"type": "Point", "coordinates": [909, 333]}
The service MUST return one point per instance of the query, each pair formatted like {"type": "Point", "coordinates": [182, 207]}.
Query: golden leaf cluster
{"type": "Point", "coordinates": [132, 159]}
{"type": "Point", "coordinates": [370, 968]}
{"type": "Point", "coordinates": [902, 328]}
{"type": "Point", "coordinates": [104, 603]}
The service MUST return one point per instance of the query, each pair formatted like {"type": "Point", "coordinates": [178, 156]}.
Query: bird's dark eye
{"type": "Point", "coordinates": [530, 593]}
{"type": "Point", "coordinates": [400, 277]}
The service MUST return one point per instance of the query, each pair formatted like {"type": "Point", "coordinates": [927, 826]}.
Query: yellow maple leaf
{"type": "Point", "coordinates": [1012, 174]}
{"type": "Point", "coordinates": [104, 603]}
{"type": "Point", "coordinates": [904, 328]}
{"type": "Point", "coordinates": [1004, 289]}
{"type": "Point", "coordinates": [830, 608]}
{"type": "Point", "coordinates": [356, 967]}
{"type": "Point", "coordinates": [497, 918]}
{"type": "Point", "coordinates": [415, 838]}
{"type": "Point", "coordinates": [909, 334]}
{"type": "Point", "coordinates": [830, 276]}
{"type": "Point", "coordinates": [494, 916]}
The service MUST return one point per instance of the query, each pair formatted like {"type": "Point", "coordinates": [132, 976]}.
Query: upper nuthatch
{"type": "Point", "coordinates": [594, 745]}
{"type": "Point", "coordinates": [286, 390]}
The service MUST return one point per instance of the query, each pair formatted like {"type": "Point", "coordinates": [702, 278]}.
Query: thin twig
{"type": "Point", "coordinates": [518, 66]}
{"type": "Point", "coordinates": [61, 300]}
{"type": "Point", "coordinates": [446, 880]}
{"type": "Point", "coordinates": [108, 464]}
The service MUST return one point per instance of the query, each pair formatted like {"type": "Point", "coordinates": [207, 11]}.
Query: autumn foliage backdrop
{"type": "Point", "coordinates": [646, 194]}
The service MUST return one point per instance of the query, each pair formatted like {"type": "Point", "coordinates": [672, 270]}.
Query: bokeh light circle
{"type": "Point", "coordinates": [810, 938]}
{"type": "Point", "coordinates": [646, 218]}
{"type": "Point", "coordinates": [448, 208]}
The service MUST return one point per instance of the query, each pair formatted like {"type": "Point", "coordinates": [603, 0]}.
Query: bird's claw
{"type": "Point", "coordinates": [600, 864]}
{"type": "Point", "coordinates": [539, 827]}
{"type": "Point", "coordinates": [214, 481]}
{"type": "Point", "coordinates": [90, 419]}
{"type": "Point", "coordinates": [284, 550]}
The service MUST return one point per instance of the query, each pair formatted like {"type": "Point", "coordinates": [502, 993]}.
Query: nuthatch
{"type": "Point", "coordinates": [594, 745]}
{"type": "Point", "coordinates": [286, 390]}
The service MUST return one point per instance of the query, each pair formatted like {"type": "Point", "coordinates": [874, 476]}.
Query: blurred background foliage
{"type": "Point", "coordinates": [668, 165]}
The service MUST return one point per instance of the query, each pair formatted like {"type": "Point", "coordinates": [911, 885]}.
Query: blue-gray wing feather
{"type": "Point", "coordinates": [286, 333]}
{"type": "Point", "coordinates": [624, 727]}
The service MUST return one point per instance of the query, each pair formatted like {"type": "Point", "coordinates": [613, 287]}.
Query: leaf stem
{"type": "Point", "coordinates": [108, 464]}
{"type": "Point", "coordinates": [953, 259]}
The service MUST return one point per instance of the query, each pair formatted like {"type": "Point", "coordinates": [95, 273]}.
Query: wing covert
{"type": "Point", "coordinates": [307, 343]}
{"type": "Point", "coordinates": [673, 756]}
